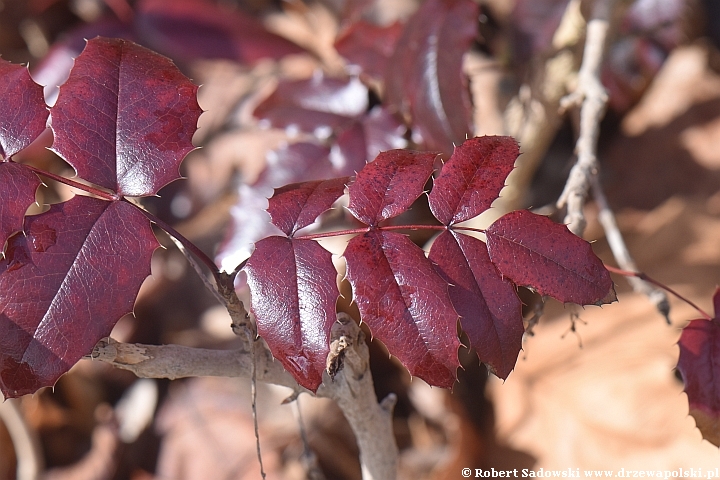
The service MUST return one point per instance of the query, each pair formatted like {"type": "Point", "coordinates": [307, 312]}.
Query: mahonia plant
{"type": "Point", "coordinates": [124, 120]}
{"type": "Point", "coordinates": [410, 301]}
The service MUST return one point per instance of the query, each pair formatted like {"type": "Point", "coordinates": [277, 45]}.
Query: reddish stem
{"type": "Point", "coordinates": [356, 231]}
{"type": "Point", "coordinates": [642, 276]}
{"type": "Point", "coordinates": [109, 196]}
{"type": "Point", "coordinates": [189, 246]}
{"type": "Point", "coordinates": [114, 197]}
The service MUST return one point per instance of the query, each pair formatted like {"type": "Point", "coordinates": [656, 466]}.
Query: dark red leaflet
{"type": "Point", "coordinates": [536, 252]}
{"type": "Point", "coordinates": [23, 113]}
{"type": "Point", "coordinates": [64, 284]}
{"type": "Point", "coordinates": [191, 29]}
{"type": "Point", "coordinates": [17, 189]}
{"type": "Point", "coordinates": [297, 205]}
{"type": "Point", "coordinates": [424, 78]}
{"type": "Point", "coordinates": [389, 185]}
{"type": "Point", "coordinates": [125, 118]}
{"type": "Point", "coordinates": [405, 303]}
{"type": "Point", "coordinates": [699, 364]}
{"type": "Point", "coordinates": [489, 308]}
{"type": "Point", "coordinates": [294, 289]}
{"type": "Point", "coordinates": [472, 178]}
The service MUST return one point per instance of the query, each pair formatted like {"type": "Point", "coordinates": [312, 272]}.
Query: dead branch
{"type": "Point", "coordinates": [351, 387]}
{"type": "Point", "coordinates": [592, 97]}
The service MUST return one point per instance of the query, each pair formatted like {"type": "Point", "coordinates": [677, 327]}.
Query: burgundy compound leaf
{"type": "Point", "coordinates": [389, 185]}
{"type": "Point", "coordinates": [536, 252]}
{"type": "Point", "coordinates": [296, 206]}
{"type": "Point", "coordinates": [23, 113]}
{"type": "Point", "coordinates": [489, 308]}
{"type": "Point", "coordinates": [125, 118]}
{"type": "Point", "coordinates": [699, 364]}
{"type": "Point", "coordinates": [405, 303]}
{"type": "Point", "coordinates": [294, 289]}
{"type": "Point", "coordinates": [472, 178]}
{"type": "Point", "coordinates": [424, 77]}
{"type": "Point", "coordinates": [64, 284]}
{"type": "Point", "coordinates": [17, 189]}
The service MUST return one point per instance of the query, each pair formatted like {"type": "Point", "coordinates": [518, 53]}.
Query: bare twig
{"type": "Point", "coordinates": [24, 439]}
{"type": "Point", "coordinates": [309, 459]}
{"type": "Point", "coordinates": [352, 389]}
{"type": "Point", "coordinates": [176, 361]}
{"type": "Point", "coordinates": [592, 97]}
{"type": "Point", "coordinates": [351, 386]}
{"type": "Point", "coordinates": [198, 270]}
{"type": "Point", "coordinates": [606, 217]}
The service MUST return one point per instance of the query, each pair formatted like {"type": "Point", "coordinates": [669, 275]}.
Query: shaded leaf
{"type": "Point", "coordinates": [405, 303]}
{"type": "Point", "coordinates": [472, 178]}
{"type": "Point", "coordinates": [23, 113]}
{"type": "Point", "coordinates": [17, 189]}
{"type": "Point", "coordinates": [383, 131]}
{"type": "Point", "coordinates": [294, 290]}
{"type": "Point", "coordinates": [349, 153]}
{"type": "Point", "coordinates": [297, 162]}
{"type": "Point", "coordinates": [424, 78]}
{"type": "Point", "coordinates": [125, 118]}
{"type": "Point", "coordinates": [699, 364]}
{"type": "Point", "coordinates": [364, 139]}
{"type": "Point", "coordinates": [489, 308]}
{"type": "Point", "coordinates": [190, 29]}
{"type": "Point", "coordinates": [368, 46]}
{"type": "Point", "coordinates": [54, 68]}
{"type": "Point", "coordinates": [388, 185]}
{"type": "Point", "coordinates": [297, 205]}
{"type": "Point", "coordinates": [64, 284]}
{"type": "Point", "coordinates": [536, 252]}
{"type": "Point", "coordinates": [535, 23]}
{"type": "Point", "coordinates": [249, 223]}
{"type": "Point", "coordinates": [315, 103]}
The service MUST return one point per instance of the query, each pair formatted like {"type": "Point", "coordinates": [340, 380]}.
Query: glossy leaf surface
{"type": "Point", "coordinates": [297, 205]}
{"type": "Point", "coordinates": [424, 78]}
{"type": "Point", "coordinates": [23, 113]}
{"type": "Point", "coordinates": [536, 252]}
{"type": "Point", "coordinates": [699, 364]}
{"type": "Point", "coordinates": [294, 290]}
{"type": "Point", "coordinates": [388, 185]}
{"type": "Point", "coordinates": [489, 308]}
{"type": "Point", "coordinates": [64, 284]}
{"type": "Point", "coordinates": [17, 189]}
{"type": "Point", "coordinates": [125, 118]}
{"type": "Point", "coordinates": [405, 303]}
{"type": "Point", "coordinates": [472, 178]}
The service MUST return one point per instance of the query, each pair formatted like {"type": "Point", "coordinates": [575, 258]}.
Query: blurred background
{"type": "Point", "coordinates": [295, 90]}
